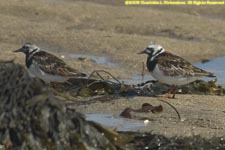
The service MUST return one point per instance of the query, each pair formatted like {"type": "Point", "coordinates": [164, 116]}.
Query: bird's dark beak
{"type": "Point", "coordinates": [142, 52]}
{"type": "Point", "coordinates": [18, 50]}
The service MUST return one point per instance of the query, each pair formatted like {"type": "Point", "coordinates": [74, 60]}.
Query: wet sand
{"type": "Point", "coordinates": [200, 114]}
{"type": "Point", "coordinates": [118, 32]}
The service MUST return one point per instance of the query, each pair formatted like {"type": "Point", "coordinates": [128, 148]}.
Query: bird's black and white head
{"type": "Point", "coordinates": [152, 51]}
{"type": "Point", "coordinates": [28, 49]}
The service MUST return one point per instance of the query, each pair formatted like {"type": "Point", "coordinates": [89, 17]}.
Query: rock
{"type": "Point", "coordinates": [31, 118]}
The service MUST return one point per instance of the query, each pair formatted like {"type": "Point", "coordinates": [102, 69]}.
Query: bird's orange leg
{"type": "Point", "coordinates": [171, 90]}
{"type": "Point", "coordinates": [174, 91]}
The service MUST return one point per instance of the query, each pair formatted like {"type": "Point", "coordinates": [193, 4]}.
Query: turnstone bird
{"type": "Point", "coordinates": [171, 69]}
{"type": "Point", "coordinates": [46, 66]}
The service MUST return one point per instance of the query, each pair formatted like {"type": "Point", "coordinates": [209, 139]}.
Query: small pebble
{"type": "Point", "coordinates": [146, 122]}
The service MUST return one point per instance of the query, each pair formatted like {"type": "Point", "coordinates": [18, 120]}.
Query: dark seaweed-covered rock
{"type": "Point", "coordinates": [33, 119]}
{"type": "Point", "coordinates": [150, 141]}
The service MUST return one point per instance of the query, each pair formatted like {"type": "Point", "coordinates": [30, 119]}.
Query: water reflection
{"type": "Point", "coordinates": [97, 59]}
{"type": "Point", "coordinates": [120, 124]}
{"type": "Point", "coordinates": [216, 66]}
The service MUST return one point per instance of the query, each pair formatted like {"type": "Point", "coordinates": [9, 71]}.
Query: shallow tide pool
{"type": "Point", "coordinates": [120, 124]}
{"type": "Point", "coordinates": [216, 66]}
{"type": "Point", "coordinates": [97, 59]}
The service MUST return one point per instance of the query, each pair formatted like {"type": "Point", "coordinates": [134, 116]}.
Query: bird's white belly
{"type": "Point", "coordinates": [35, 71]}
{"type": "Point", "coordinates": [171, 80]}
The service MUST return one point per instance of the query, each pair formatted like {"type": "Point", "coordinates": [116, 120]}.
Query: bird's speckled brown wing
{"type": "Point", "coordinates": [53, 65]}
{"type": "Point", "coordinates": [173, 65]}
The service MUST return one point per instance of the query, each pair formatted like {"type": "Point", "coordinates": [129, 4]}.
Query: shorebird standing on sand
{"type": "Point", "coordinates": [46, 66]}
{"type": "Point", "coordinates": [171, 69]}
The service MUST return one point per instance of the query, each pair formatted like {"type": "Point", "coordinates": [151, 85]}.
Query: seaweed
{"type": "Point", "coordinates": [101, 82]}
{"type": "Point", "coordinates": [146, 108]}
{"type": "Point", "coordinates": [151, 141]}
